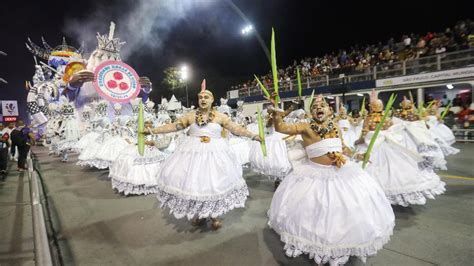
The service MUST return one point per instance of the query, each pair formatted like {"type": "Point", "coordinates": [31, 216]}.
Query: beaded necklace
{"type": "Point", "coordinates": [199, 118]}
{"type": "Point", "coordinates": [322, 129]}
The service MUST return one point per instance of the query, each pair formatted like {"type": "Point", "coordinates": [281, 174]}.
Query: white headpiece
{"type": "Point", "coordinates": [150, 104]}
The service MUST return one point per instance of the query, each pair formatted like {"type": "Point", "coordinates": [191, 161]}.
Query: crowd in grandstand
{"type": "Point", "coordinates": [361, 59]}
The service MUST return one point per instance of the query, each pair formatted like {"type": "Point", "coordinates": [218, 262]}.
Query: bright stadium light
{"type": "Point", "coordinates": [184, 76]}
{"type": "Point", "coordinates": [247, 29]}
{"type": "Point", "coordinates": [450, 86]}
{"type": "Point", "coordinates": [184, 72]}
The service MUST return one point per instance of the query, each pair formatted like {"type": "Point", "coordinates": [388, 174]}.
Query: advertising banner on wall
{"type": "Point", "coordinates": [426, 77]}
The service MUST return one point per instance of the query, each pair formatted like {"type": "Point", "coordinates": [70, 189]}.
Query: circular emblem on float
{"type": "Point", "coordinates": [116, 81]}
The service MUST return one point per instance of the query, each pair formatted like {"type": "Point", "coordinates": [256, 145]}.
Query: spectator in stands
{"type": "Point", "coordinates": [444, 101]}
{"type": "Point", "coordinates": [363, 58]}
{"type": "Point", "coordinates": [406, 41]}
{"type": "Point", "coordinates": [458, 100]}
{"type": "Point", "coordinates": [429, 99]}
{"type": "Point", "coordinates": [440, 49]}
{"type": "Point", "coordinates": [465, 115]}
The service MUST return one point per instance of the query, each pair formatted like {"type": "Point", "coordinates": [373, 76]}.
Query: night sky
{"type": "Point", "coordinates": [206, 35]}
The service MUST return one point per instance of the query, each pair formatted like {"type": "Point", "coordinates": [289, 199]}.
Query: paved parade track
{"type": "Point", "coordinates": [93, 225]}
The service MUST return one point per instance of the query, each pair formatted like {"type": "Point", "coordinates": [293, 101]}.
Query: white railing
{"type": "Point", "coordinates": [464, 134]}
{"type": "Point", "coordinates": [432, 63]}
{"type": "Point", "coordinates": [41, 243]}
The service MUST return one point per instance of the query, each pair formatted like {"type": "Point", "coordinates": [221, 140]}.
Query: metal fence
{"type": "Point", "coordinates": [445, 61]}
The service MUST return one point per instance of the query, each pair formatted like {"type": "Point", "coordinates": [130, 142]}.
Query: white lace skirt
{"type": "Point", "coordinates": [133, 174]}
{"type": "Point", "coordinates": [88, 156]}
{"type": "Point", "coordinates": [276, 165]}
{"type": "Point", "coordinates": [446, 148]}
{"type": "Point", "coordinates": [444, 132]}
{"type": "Point", "coordinates": [65, 145]}
{"type": "Point", "coordinates": [85, 141]}
{"type": "Point", "coordinates": [421, 141]}
{"type": "Point", "coordinates": [111, 148]}
{"type": "Point", "coordinates": [402, 180]}
{"type": "Point", "coordinates": [201, 179]}
{"type": "Point", "coordinates": [331, 213]}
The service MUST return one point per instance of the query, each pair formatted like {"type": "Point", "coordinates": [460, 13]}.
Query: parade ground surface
{"type": "Point", "coordinates": [93, 225]}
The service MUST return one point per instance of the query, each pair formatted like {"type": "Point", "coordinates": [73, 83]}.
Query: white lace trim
{"type": "Point", "coordinates": [271, 174]}
{"type": "Point", "coordinates": [432, 163]}
{"type": "Point", "coordinates": [149, 159]}
{"type": "Point", "coordinates": [427, 163]}
{"type": "Point", "coordinates": [447, 149]}
{"type": "Point", "coordinates": [97, 163]}
{"type": "Point", "coordinates": [133, 189]}
{"type": "Point", "coordinates": [295, 246]}
{"type": "Point", "coordinates": [427, 148]}
{"type": "Point", "coordinates": [417, 197]}
{"type": "Point", "coordinates": [181, 205]}
{"type": "Point", "coordinates": [65, 145]}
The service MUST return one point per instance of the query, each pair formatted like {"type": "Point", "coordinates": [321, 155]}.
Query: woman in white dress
{"type": "Point", "coordinates": [52, 127]}
{"type": "Point", "coordinates": [443, 135]}
{"type": "Point", "coordinates": [417, 137]}
{"type": "Point", "coordinates": [294, 143]}
{"type": "Point", "coordinates": [357, 122]}
{"type": "Point", "coordinates": [90, 144]}
{"type": "Point", "coordinates": [133, 174]}
{"type": "Point", "coordinates": [90, 131]}
{"type": "Point", "coordinates": [118, 140]}
{"type": "Point", "coordinates": [393, 165]}
{"type": "Point", "coordinates": [203, 177]}
{"type": "Point", "coordinates": [348, 134]}
{"type": "Point", "coordinates": [328, 207]}
{"type": "Point", "coordinates": [240, 145]}
{"type": "Point", "coordinates": [68, 132]}
{"type": "Point", "coordinates": [276, 165]}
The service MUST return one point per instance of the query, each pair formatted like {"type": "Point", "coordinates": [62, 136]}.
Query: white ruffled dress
{"type": "Point", "coordinates": [69, 134]}
{"type": "Point", "coordinates": [241, 146]}
{"type": "Point", "coordinates": [86, 140]}
{"type": "Point", "coordinates": [203, 176]}
{"type": "Point", "coordinates": [276, 165]}
{"type": "Point", "coordinates": [50, 131]}
{"type": "Point", "coordinates": [133, 174]}
{"type": "Point", "coordinates": [442, 135]}
{"type": "Point", "coordinates": [88, 156]}
{"type": "Point", "coordinates": [418, 138]}
{"type": "Point", "coordinates": [330, 213]}
{"type": "Point", "coordinates": [97, 125]}
{"type": "Point", "coordinates": [112, 146]}
{"type": "Point", "coordinates": [397, 171]}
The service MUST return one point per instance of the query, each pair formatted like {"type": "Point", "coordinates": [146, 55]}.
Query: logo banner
{"type": "Point", "coordinates": [10, 108]}
{"type": "Point", "coordinates": [116, 81]}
